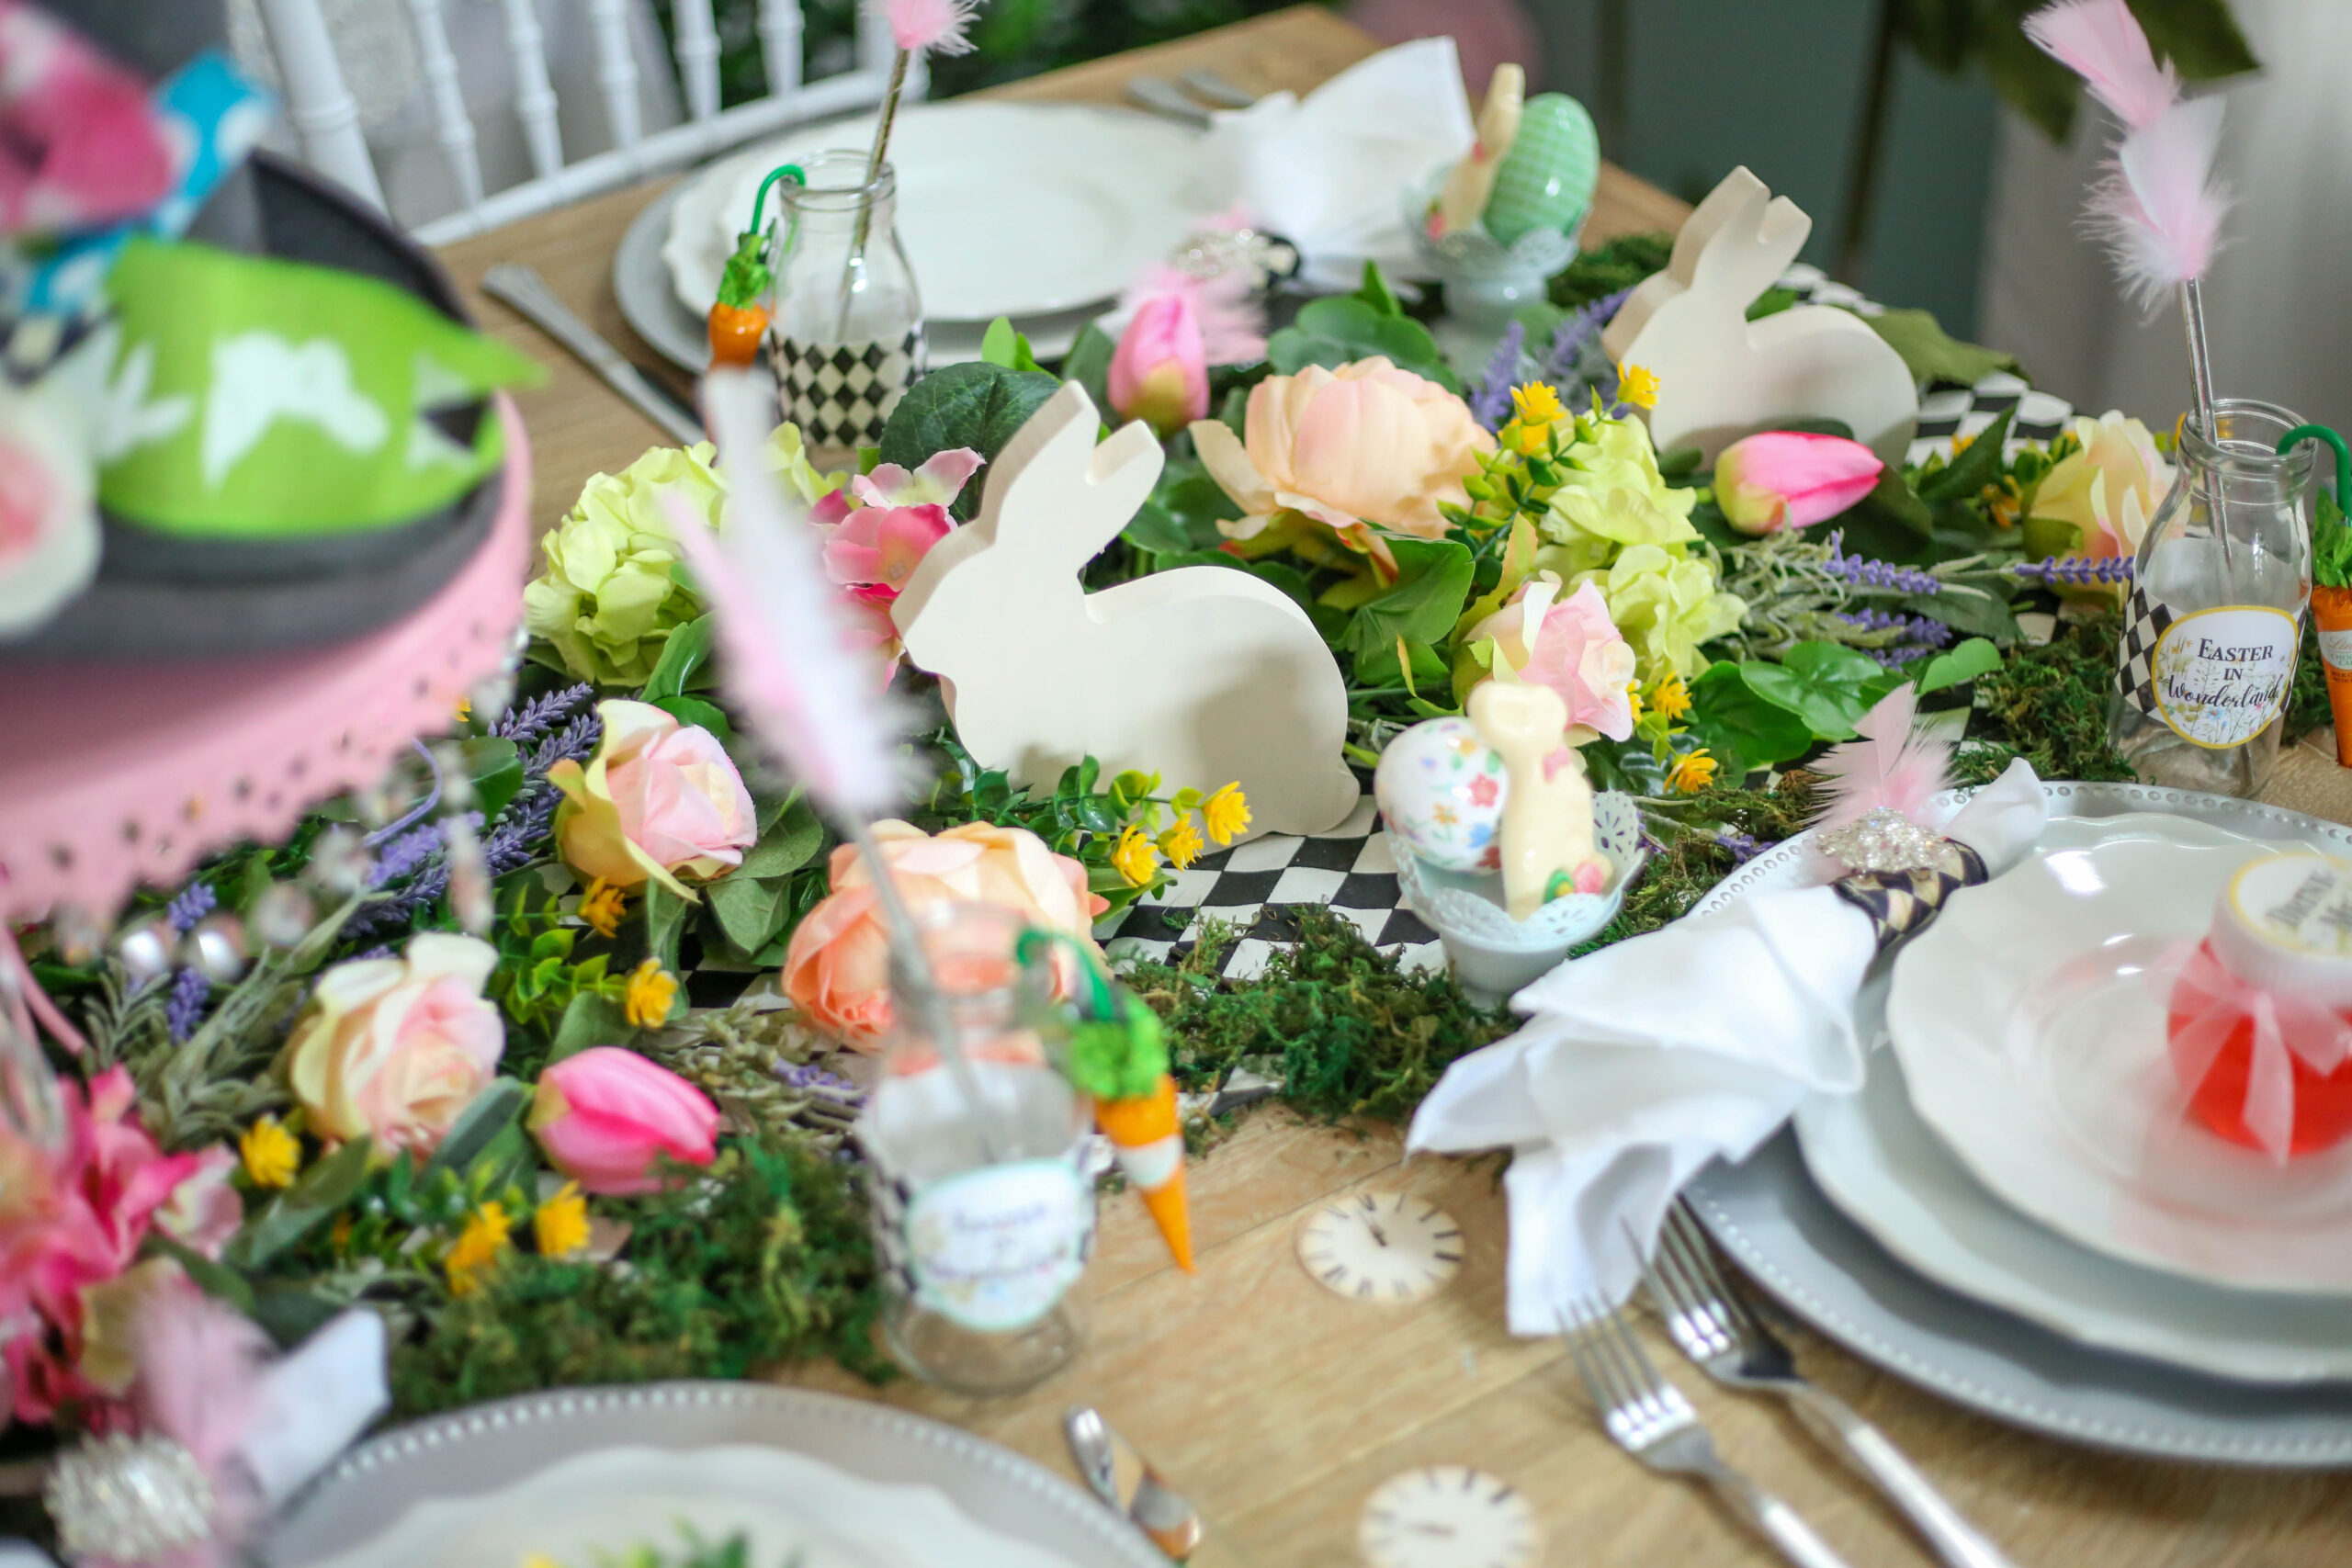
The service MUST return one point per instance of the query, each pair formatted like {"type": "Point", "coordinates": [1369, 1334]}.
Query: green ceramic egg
{"type": "Point", "coordinates": [1546, 179]}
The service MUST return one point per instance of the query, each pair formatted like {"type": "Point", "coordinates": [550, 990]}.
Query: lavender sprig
{"type": "Point", "coordinates": [1569, 340]}
{"type": "Point", "coordinates": [576, 740]}
{"type": "Point", "coordinates": [814, 1079]}
{"type": "Point", "coordinates": [2074, 570]}
{"type": "Point", "coordinates": [1742, 847]}
{"type": "Point", "coordinates": [1490, 404]}
{"type": "Point", "coordinates": [1863, 573]}
{"type": "Point", "coordinates": [194, 902]}
{"type": "Point", "coordinates": [184, 1010]}
{"type": "Point", "coordinates": [400, 859]}
{"type": "Point", "coordinates": [1925, 630]}
{"type": "Point", "coordinates": [536, 717]}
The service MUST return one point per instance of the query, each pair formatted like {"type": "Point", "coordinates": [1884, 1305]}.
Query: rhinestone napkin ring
{"type": "Point", "coordinates": [128, 1498]}
{"type": "Point", "coordinates": [1881, 839]}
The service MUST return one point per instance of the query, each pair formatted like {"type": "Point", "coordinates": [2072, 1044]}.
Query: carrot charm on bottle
{"type": "Point", "coordinates": [738, 318]}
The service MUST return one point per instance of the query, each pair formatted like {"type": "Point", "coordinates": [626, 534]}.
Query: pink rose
{"type": "Point", "coordinates": [1571, 646]}
{"type": "Point", "coordinates": [1362, 444]}
{"type": "Point", "coordinates": [1792, 479]}
{"type": "Point", "coordinates": [396, 1048]}
{"type": "Point", "coordinates": [660, 798]}
{"type": "Point", "coordinates": [837, 970]}
{"type": "Point", "coordinates": [604, 1114]}
{"type": "Point", "coordinates": [1160, 373]}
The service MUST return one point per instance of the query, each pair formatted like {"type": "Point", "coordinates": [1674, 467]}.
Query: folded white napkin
{"type": "Point", "coordinates": [1646, 1059]}
{"type": "Point", "coordinates": [1330, 172]}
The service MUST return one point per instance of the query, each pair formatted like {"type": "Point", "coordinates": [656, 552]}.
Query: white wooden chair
{"type": "Point", "coordinates": [325, 117]}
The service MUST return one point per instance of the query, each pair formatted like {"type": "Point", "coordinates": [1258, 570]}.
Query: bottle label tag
{"type": "Point", "coordinates": [2219, 677]}
{"type": "Point", "coordinates": [994, 1248]}
{"type": "Point", "coordinates": [2336, 648]}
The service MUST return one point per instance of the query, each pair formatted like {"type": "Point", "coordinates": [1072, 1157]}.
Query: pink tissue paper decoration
{"type": "Point", "coordinates": [1892, 765]}
{"type": "Point", "coordinates": [2101, 42]}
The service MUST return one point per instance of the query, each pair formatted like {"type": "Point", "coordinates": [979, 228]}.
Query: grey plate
{"type": "Point", "coordinates": [650, 305]}
{"type": "Point", "coordinates": [487, 1447]}
{"type": "Point", "coordinates": [1768, 1213]}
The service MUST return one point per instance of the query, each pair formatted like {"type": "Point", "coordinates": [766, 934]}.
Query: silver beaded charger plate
{"type": "Point", "coordinates": [487, 1449]}
{"type": "Point", "coordinates": [1767, 1212]}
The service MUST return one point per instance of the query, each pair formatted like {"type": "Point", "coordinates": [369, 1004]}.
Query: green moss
{"type": "Point", "coordinates": [1609, 266]}
{"type": "Point", "coordinates": [2048, 704]}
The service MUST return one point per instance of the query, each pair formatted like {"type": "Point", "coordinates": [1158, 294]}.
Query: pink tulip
{"type": "Point", "coordinates": [602, 1115]}
{"type": "Point", "coordinates": [1161, 371]}
{"type": "Point", "coordinates": [1792, 479]}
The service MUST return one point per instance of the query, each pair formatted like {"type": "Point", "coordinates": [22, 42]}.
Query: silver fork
{"type": "Point", "coordinates": [1715, 1327]}
{"type": "Point", "coordinates": [1648, 1417]}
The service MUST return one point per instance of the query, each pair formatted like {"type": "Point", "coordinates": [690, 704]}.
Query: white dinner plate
{"type": "Point", "coordinates": [788, 1508]}
{"type": "Point", "coordinates": [2030, 1020]}
{"type": "Point", "coordinates": [1005, 209]}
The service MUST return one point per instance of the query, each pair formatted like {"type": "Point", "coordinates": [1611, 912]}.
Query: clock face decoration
{"type": "Point", "coordinates": [1447, 1516]}
{"type": "Point", "coordinates": [1381, 1246]}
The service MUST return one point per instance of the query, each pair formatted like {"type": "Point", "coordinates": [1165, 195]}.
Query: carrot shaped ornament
{"type": "Point", "coordinates": [738, 318]}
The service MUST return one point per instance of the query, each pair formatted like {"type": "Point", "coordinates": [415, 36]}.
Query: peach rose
{"type": "Point", "coordinates": [659, 797]}
{"type": "Point", "coordinates": [1364, 444]}
{"type": "Point", "coordinates": [397, 1048]}
{"type": "Point", "coordinates": [837, 970]}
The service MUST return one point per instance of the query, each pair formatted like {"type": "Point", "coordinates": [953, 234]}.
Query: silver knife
{"type": "Point", "coordinates": [1160, 96]}
{"type": "Point", "coordinates": [528, 293]}
{"type": "Point", "coordinates": [1211, 88]}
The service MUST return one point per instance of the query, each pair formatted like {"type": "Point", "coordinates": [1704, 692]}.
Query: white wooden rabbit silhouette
{"type": "Point", "coordinates": [1203, 674]}
{"type": "Point", "coordinates": [1722, 375]}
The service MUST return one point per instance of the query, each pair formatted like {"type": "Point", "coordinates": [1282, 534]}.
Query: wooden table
{"type": "Point", "coordinates": [1278, 1407]}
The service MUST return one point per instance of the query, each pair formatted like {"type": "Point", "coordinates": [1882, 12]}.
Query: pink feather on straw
{"type": "Point", "coordinates": [2102, 42]}
{"type": "Point", "coordinates": [793, 663]}
{"type": "Point", "coordinates": [1893, 764]}
{"type": "Point", "coordinates": [2159, 209]}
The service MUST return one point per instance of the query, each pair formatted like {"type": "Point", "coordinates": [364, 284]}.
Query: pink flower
{"type": "Point", "coordinates": [101, 1191]}
{"type": "Point", "coordinates": [396, 1048]}
{"type": "Point", "coordinates": [81, 146]}
{"type": "Point", "coordinates": [1160, 373]}
{"type": "Point", "coordinates": [659, 798]}
{"type": "Point", "coordinates": [1571, 646]}
{"type": "Point", "coordinates": [604, 1114]}
{"type": "Point", "coordinates": [205, 1210]}
{"type": "Point", "coordinates": [878, 530]}
{"type": "Point", "coordinates": [1792, 479]}
{"type": "Point", "coordinates": [938, 26]}
{"type": "Point", "coordinates": [837, 970]}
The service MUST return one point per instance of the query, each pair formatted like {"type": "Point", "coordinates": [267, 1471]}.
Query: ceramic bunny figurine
{"type": "Point", "coordinates": [1547, 815]}
{"type": "Point", "coordinates": [1721, 375]}
{"type": "Point", "coordinates": [1203, 674]}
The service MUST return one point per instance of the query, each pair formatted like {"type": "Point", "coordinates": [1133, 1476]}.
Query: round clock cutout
{"type": "Point", "coordinates": [1381, 1246]}
{"type": "Point", "coordinates": [1447, 1516]}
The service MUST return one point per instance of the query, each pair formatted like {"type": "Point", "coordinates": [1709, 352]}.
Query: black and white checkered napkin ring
{"type": "Point", "coordinates": [1898, 872]}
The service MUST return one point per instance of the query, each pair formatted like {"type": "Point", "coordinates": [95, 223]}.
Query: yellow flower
{"type": "Point", "coordinates": [651, 990]}
{"type": "Point", "coordinates": [465, 709]}
{"type": "Point", "coordinates": [272, 1155]}
{"type": "Point", "coordinates": [560, 1225]}
{"type": "Point", "coordinates": [1637, 385]}
{"type": "Point", "coordinates": [601, 907]}
{"type": "Point", "coordinates": [1633, 699]}
{"type": "Point", "coordinates": [1226, 812]}
{"type": "Point", "coordinates": [1134, 858]}
{"type": "Point", "coordinates": [1537, 403]}
{"type": "Point", "coordinates": [1182, 843]}
{"type": "Point", "coordinates": [1692, 771]}
{"type": "Point", "coordinates": [1672, 697]}
{"type": "Point", "coordinates": [341, 1235]}
{"type": "Point", "coordinates": [1962, 443]}
{"type": "Point", "coordinates": [476, 1247]}
{"type": "Point", "coordinates": [1526, 440]}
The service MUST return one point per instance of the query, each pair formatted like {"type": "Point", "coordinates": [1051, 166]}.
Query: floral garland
{"type": "Point", "coordinates": [461, 1071]}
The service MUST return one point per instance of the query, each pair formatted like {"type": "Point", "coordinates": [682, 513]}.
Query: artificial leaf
{"type": "Point", "coordinates": [787, 845]}
{"type": "Point", "coordinates": [588, 1020]}
{"type": "Point", "coordinates": [684, 664]}
{"type": "Point", "coordinates": [700, 713]}
{"type": "Point", "coordinates": [2199, 36]}
{"type": "Point", "coordinates": [1931, 353]}
{"type": "Point", "coordinates": [330, 1183]}
{"type": "Point", "coordinates": [1181, 514]}
{"type": "Point", "coordinates": [1519, 559]}
{"type": "Point", "coordinates": [1968, 607]}
{"type": "Point", "coordinates": [1742, 730]}
{"type": "Point", "coordinates": [1343, 328]}
{"type": "Point", "coordinates": [215, 1280]}
{"type": "Point", "coordinates": [1969, 473]}
{"type": "Point", "coordinates": [1375, 291]}
{"type": "Point", "coordinates": [1976, 657]}
{"type": "Point", "coordinates": [666, 919]}
{"type": "Point", "coordinates": [1772, 302]}
{"type": "Point", "coordinates": [1088, 363]}
{"type": "Point", "coordinates": [1821, 682]}
{"type": "Point", "coordinates": [493, 1111]}
{"type": "Point", "coordinates": [289, 1315]}
{"type": "Point", "coordinates": [977, 405]}
{"type": "Point", "coordinates": [1002, 344]}
{"type": "Point", "coordinates": [494, 766]}
{"type": "Point", "coordinates": [1432, 581]}
{"type": "Point", "coordinates": [745, 908]}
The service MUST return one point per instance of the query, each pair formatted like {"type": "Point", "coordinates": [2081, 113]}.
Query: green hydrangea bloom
{"type": "Point", "coordinates": [1666, 606]}
{"type": "Point", "coordinates": [608, 598]}
{"type": "Point", "coordinates": [1614, 497]}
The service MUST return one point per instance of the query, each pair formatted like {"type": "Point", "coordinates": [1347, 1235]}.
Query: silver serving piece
{"type": "Point", "coordinates": [1881, 839]}
{"type": "Point", "coordinates": [128, 1498]}
{"type": "Point", "coordinates": [1648, 1417]}
{"type": "Point", "coordinates": [1708, 1319]}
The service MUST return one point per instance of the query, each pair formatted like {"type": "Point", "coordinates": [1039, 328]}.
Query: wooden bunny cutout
{"type": "Point", "coordinates": [1722, 375]}
{"type": "Point", "coordinates": [1204, 675]}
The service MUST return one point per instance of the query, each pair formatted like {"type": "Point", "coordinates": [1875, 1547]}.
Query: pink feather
{"type": "Point", "coordinates": [2159, 209]}
{"type": "Point", "coordinates": [200, 1365]}
{"type": "Point", "coordinates": [942, 27]}
{"type": "Point", "coordinates": [1892, 764]}
{"type": "Point", "coordinates": [793, 666]}
{"type": "Point", "coordinates": [2102, 42]}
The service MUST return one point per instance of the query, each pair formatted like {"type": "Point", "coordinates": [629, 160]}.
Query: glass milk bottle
{"type": "Point", "coordinates": [984, 1218]}
{"type": "Point", "coordinates": [846, 340]}
{"type": "Point", "coordinates": [2215, 612]}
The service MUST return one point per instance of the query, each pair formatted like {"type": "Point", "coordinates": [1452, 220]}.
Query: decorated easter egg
{"type": "Point", "coordinates": [1547, 179]}
{"type": "Point", "coordinates": [1440, 791]}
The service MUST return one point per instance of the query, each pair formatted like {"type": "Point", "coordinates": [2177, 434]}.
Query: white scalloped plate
{"type": "Point", "coordinates": [1768, 1213]}
{"type": "Point", "coordinates": [413, 1494]}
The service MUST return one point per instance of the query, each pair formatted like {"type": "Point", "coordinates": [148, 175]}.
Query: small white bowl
{"type": "Point", "coordinates": [1494, 955]}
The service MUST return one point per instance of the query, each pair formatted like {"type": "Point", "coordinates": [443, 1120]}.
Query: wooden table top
{"type": "Point", "coordinates": [1278, 1407]}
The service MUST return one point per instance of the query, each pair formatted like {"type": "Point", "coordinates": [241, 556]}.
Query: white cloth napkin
{"type": "Point", "coordinates": [1646, 1059]}
{"type": "Point", "coordinates": [1330, 172]}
